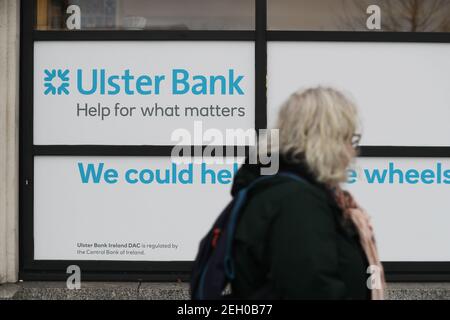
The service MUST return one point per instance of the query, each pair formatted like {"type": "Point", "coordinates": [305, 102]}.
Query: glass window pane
{"type": "Point", "coordinates": [146, 14]}
{"type": "Point", "coordinates": [351, 15]}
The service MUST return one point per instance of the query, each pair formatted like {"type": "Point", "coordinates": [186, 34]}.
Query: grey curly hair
{"type": "Point", "coordinates": [316, 125]}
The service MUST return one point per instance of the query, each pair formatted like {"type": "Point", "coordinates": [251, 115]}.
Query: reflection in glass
{"type": "Point", "coordinates": [351, 15]}
{"type": "Point", "coordinates": [149, 14]}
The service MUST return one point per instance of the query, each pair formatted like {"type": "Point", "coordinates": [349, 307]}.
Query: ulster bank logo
{"type": "Point", "coordinates": [56, 81]}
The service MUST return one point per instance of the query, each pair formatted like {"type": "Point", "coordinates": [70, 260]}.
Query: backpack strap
{"type": "Point", "coordinates": [240, 200]}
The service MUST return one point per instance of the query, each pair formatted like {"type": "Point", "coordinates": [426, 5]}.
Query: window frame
{"type": "Point", "coordinates": [31, 269]}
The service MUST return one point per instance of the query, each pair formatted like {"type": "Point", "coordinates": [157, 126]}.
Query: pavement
{"type": "Point", "coordinates": [32, 290]}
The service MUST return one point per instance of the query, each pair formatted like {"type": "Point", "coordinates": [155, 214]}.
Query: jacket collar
{"type": "Point", "coordinates": [249, 172]}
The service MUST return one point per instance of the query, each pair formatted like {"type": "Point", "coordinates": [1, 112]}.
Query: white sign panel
{"type": "Point", "coordinates": [407, 199]}
{"type": "Point", "coordinates": [150, 209]}
{"type": "Point", "coordinates": [130, 208]}
{"type": "Point", "coordinates": [139, 92]}
{"type": "Point", "coordinates": [402, 89]}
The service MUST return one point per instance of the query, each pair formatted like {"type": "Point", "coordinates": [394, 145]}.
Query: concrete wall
{"type": "Point", "coordinates": [9, 139]}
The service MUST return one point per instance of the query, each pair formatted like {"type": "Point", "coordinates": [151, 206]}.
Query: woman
{"type": "Point", "coordinates": [307, 239]}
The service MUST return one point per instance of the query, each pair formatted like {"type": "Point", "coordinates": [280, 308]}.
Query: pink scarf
{"type": "Point", "coordinates": [361, 220]}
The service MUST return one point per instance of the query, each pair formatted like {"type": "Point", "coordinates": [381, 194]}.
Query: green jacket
{"type": "Point", "coordinates": [291, 242]}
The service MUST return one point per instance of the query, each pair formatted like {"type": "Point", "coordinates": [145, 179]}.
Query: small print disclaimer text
{"type": "Point", "coordinates": [121, 249]}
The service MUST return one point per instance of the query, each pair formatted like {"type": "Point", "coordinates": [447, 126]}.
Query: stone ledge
{"type": "Point", "coordinates": [418, 291]}
{"type": "Point", "coordinates": [89, 291]}
{"type": "Point", "coordinates": [164, 291]}
{"type": "Point", "coordinates": [175, 291]}
{"type": "Point", "coordinates": [9, 291]}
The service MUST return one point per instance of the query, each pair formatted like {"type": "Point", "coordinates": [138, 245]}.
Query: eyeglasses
{"type": "Point", "coordinates": [356, 138]}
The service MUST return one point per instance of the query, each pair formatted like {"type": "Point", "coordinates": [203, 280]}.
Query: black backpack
{"type": "Point", "coordinates": [213, 268]}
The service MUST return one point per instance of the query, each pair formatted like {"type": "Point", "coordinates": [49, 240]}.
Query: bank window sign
{"type": "Point", "coordinates": [86, 95]}
{"type": "Point", "coordinates": [101, 100]}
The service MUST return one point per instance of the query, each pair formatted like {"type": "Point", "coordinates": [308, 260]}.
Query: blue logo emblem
{"type": "Point", "coordinates": [53, 86]}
